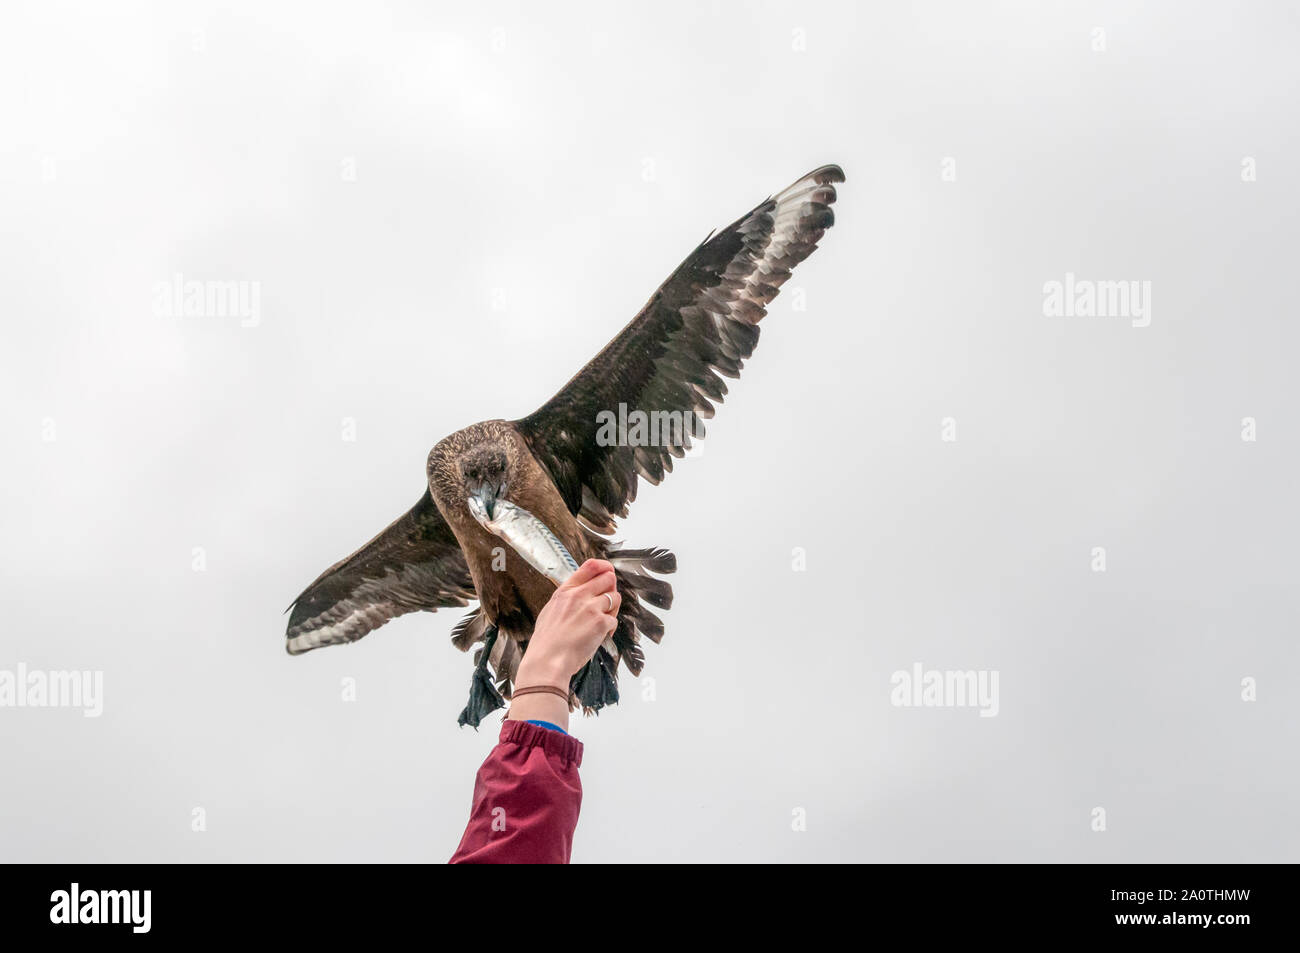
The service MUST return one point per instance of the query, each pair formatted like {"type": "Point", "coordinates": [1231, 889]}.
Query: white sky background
{"type": "Point", "coordinates": [525, 177]}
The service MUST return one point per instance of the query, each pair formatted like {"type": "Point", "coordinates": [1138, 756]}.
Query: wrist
{"type": "Point", "coordinates": [539, 707]}
{"type": "Point", "coordinates": [541, 670]}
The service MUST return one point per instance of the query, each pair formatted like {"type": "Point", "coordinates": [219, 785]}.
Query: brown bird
{"type": "Point", "coordinates": [574, 465]}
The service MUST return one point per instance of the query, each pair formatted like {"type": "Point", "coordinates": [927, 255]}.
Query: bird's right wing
{"type": "Point", "coordinates": [699, 327]}
{"type": "Point", "coordinates": [414, 564]}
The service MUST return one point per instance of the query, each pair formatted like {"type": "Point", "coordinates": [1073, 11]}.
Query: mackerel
{"type": "Point", "coordinates": [528, 536]}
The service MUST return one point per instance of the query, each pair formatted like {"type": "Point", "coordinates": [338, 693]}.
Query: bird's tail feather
{"type": "Point", "coordinates": [471, 629]}
{"type": "Point", "coordinates": [597, 684]}
{"type": "Point", "coordinates": [633, 568]}
{"type": "Point", "coordinates": [655, 560]}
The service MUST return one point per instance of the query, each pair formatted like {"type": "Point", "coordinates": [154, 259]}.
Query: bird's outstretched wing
{"type": "Point", "coordinates": [415, 563]}
{"type": "Point", "coordinates": [698, 327]}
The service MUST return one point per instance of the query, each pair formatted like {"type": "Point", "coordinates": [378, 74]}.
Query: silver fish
{"type": "Point", "coordinates": [528, 536]}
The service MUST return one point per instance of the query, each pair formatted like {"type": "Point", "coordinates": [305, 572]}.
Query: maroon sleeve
{"type": "Point", "coordinates": [526, 799]}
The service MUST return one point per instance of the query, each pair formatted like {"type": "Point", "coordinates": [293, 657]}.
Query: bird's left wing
{"type": "Point", "coordinates": [414, 564]}
{"type": "Point", "coordinates": [699, 327]}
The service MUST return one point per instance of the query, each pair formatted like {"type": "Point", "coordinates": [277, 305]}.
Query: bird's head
{"type": "Point", "coordinates": [485, 472]}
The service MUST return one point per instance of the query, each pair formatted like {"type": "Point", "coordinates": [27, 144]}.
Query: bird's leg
{"type": "Point", "coordinates": [483, 697]}
{"type": "Point", "coordinates": [596, 684]}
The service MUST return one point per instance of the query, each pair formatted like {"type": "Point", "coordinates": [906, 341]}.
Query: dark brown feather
{"type": "Point", "coordinates": [699, 327]}
{"type": "Point", "coordinates": [414, 564]}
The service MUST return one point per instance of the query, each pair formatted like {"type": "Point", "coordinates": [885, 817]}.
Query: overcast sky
{"type": "Point", "coordinates": [438, 212]}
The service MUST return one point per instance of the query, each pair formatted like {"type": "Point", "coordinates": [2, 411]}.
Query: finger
{"type": "Point", "coordinates": [610, 615]}
{"type": "Point", "coordinates": [586, 572]}
{"type": "Point", "coordinates": [605, 582]}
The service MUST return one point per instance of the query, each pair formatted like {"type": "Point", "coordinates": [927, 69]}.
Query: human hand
{"type": "Point", "coordinates": [571, 626]}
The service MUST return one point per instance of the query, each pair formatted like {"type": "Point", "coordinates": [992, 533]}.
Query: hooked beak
{"type": "Point", "coordinates": [482, 503]}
